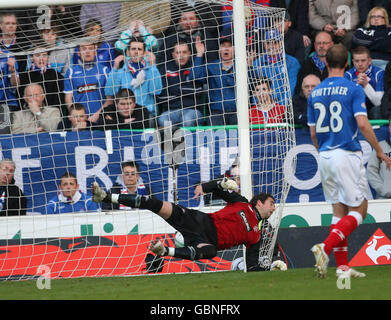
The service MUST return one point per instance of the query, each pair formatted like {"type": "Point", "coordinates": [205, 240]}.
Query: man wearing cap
{"type": "Point", "coordinates": [272, 63]}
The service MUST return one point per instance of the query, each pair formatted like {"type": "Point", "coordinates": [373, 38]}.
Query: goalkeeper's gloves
{"type": "Point", "coordinates": [100, 195]}
{"type": "Point", "coordinates": [278, 265]}
{"type": "Point", "coordinates": [228, 184]}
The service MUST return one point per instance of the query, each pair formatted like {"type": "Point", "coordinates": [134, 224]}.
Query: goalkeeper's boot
{"type": "Point", "coordinates": [321, 259]}
{"type": "Point", "coordinates": [349, 272]}
{"type": "Point", "coordinates": [158, 248]}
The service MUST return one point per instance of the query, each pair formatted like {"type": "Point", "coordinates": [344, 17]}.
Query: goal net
{"type": "Point", "coordinates": [139, 96]}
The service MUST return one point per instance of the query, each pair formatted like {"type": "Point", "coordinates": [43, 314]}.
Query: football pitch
{"type": "Point", "coordinates": [297, 284]}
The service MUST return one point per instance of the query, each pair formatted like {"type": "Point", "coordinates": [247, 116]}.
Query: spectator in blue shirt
{"type": "Point", "coordinates": [370, 77]}
{"type": "Point", "coordinates": [70, 199]}
{"type": "Point", "coordinates": [9, 80]}
{"type": "Point", "coordinates": [271, 65]}
{"type": "Point", "coordinates": [138, 74]}
{"type": "Point", "coordinates": [219, 75]}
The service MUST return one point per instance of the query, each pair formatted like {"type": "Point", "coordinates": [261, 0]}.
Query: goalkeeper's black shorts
{"type": "Point", "coordinates": [195, 226]}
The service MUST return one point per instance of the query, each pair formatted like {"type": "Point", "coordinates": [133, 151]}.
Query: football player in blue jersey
{"type": "Point", "coordinates": [336, 113]}
{"type": "Point", "coordinates": [85, 83]}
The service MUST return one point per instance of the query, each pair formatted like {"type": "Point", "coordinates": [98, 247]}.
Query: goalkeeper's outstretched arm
{"type": "Point", "coordinates": [225, 189]}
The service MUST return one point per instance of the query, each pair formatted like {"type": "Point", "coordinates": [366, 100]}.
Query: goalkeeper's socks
{"type": "Point", "coordinates": [342, 230]}
{"type": "Point", "coordinates": [187, 253]}
{"type": "Point", "coordinates": [341, 250]}
{"type": "Point", "coordinates": [193, 253]}
{"type": "Point", "coordinates": [138, 201]}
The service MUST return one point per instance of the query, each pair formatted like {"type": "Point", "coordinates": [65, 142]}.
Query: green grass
{"type": "Point", "coordinates": [292, 284]}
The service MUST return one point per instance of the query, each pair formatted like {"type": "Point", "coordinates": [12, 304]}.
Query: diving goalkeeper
{"type": "Point", "coordinates": [205, 233]}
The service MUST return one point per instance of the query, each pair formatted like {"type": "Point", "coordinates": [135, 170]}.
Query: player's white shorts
{"type": "Point", "coordinates": [343, 177]}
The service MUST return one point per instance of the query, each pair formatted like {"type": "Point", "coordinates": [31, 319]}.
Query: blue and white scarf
{"type": "Point", "coordinates": [135, 67]}
{"type": "Point", "coordinates": [319, 63]}
{"type": "Point", "coordinates": [41, 70]}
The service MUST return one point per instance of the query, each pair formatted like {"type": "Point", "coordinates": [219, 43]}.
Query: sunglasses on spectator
{"type": "Point", "coordinates": [377, 17]}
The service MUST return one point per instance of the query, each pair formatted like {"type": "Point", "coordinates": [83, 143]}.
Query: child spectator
{"type": "Point", "coordinates": [265, 111]}
{"type": "Point", "coordinates": [70, 199]}
{"type": "Point", "coordinates": [76, 119]}
{"type": "Point", "coordinates": [124, 114]}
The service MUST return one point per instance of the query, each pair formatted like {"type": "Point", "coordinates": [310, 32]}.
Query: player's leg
{"type": "Point", "coordinates": [355, 216]}
{"type": "Point", "coordinates": [351, 209]}
{"type": "Point", "coordinates": [330, 192]}
{"type": "Point", "coordinates": [173, 214]}
{"type": "Point", "coordinates": [352, 188]}
{"type": "Point", "coordinates": [200, 251]}
{"type": "Point", "coordinates": [162, 208]}
{"type": "Point", "coordinates": [199, 233]}
{"type": "Point", "coordinates": [341, 250]}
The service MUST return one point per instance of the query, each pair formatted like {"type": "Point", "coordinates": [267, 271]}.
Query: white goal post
{"type": "Point", "coordinates": [254, 131]}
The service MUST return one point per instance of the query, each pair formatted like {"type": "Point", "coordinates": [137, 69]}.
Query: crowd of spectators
{"type": "Point", "coordinates": [182, 72]}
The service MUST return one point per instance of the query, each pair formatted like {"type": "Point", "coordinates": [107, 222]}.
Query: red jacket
{"type": "Point", "coordinates": [274, 115]}
{"type": "Point", "coordinates": [236, 224]}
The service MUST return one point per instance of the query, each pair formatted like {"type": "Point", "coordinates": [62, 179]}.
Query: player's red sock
{"type": "Point", "coordinates": [342, 230]}
{"type": "Point", "coordinates": [341, 253]}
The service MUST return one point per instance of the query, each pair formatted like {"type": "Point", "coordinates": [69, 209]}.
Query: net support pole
{"type": "Point", "coordinates": [242, 103]}
{"type": "Point", "coordinates": [242, 98]}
